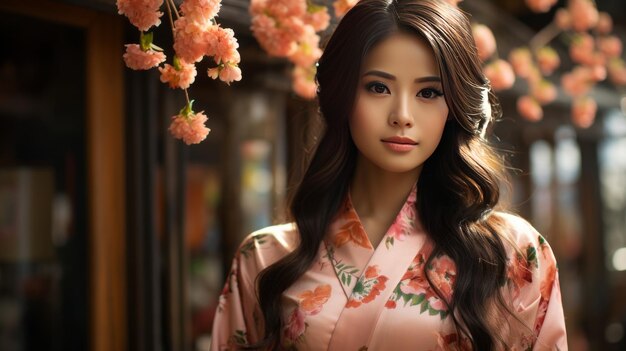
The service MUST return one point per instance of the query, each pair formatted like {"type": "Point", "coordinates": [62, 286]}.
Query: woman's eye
{"type": "Point", "coordinates": [429, 93]}
{"type": "Point", "coordinates": [378, 88]}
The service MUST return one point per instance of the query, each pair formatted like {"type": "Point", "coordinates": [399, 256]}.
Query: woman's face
{"type": "Point", "coordinates": [400, 110]}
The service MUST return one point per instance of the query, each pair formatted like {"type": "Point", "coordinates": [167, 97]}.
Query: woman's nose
{"type": "Point", "coordinates": [400, 115]}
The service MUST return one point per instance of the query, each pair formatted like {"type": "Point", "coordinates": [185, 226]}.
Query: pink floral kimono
{"type": "Point", "coordinates": [357, 297]}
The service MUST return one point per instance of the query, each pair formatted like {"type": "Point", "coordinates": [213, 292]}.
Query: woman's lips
{"type": "Point", "coordinates": [400, 144]}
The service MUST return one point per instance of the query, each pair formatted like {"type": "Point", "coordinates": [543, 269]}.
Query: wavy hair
{"type": "Point", "coordinates": [459, 184]}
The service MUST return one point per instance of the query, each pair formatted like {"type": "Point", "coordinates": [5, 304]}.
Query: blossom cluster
{"type": "Point", "coordinates": [196, 35]}
{"type": "Point", "coordinates": [288, 28]}
{"type": "Point", "coordinates": [594, 51]}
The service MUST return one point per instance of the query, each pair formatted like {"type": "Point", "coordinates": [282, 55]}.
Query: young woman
{"type": "Point", "coordinates": [396, 244]}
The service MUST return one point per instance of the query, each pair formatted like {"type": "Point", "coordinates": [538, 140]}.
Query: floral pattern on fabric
{"type": "Point", "coordinates": [415, 290]}
{"type": "Point", "coordinates": [251, 245]}
{"type": "Point", "coordinates": [351, 231]}
{"type": "Point", "coordinates": [310, 303]}
{"type": "Point", "coordinates": [451, 342]}
{"type": "Point", "coordinates": [344, 271]}
{"type": "Point", "coordinates": [369, 285]}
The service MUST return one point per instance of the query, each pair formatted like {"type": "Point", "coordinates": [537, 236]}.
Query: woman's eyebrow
{"type": "Point", "coordinates": [392, 77]}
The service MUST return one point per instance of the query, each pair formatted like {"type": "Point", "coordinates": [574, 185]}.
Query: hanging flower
{"type": "Point", "coordinates": [617, 71]}
{"type": "Point", "coordinates": [529, 108]}
{"type": "Point", "coordinates": [181, 75]}
{"type": "Point", "coordinates": [544, 92]}
{"type": "Point", "coordinates": [138, 59]}
{"type": "Point", "coordinates": [562, 19]}
{"type": "Point", "coordinates": [189, 126]}
{"type": "Point", "coordinates": [342, 6]}
{"type": "Point", "coordinates": [584, 111]}
{"type": "Point", "coordinates": [605, 23]}
{"type": "Point", "coordinates": [540, 5]}
{"type": "Point", "coordinates": [142, 14]}
{"type": "Point", "coordinates": [582, 49]}
{"type": "Point", "coordinates": [611, 46]}
{"type": "Point", "coordinates": [584, 14]}
{"type": "Point", "coordinates": [522, 62]}
{"type": "Point", "coordinates": [500, 74]}
{"type": "Point", "coordinates": [485, 41]}
{"type": "Point", "coordinates": [548, 60]}
{"type": "Point", "coordinates": [303, 81]}
{"type": "Point", "coordinates": [317, 16]}
{"type": "Point", "coordinates": [577, 82]}
{"type": "Point", "coordinates": [222, 44]}
{"type": "Point", "coordinates": [189, 39]}
{"type": "Point", "coordinates": [200, 10]}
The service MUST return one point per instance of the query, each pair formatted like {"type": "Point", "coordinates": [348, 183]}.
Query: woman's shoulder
{"type": "Point", "coordinates": [519, 231]}
{"type": "Point", "coordinates": [265, 246]}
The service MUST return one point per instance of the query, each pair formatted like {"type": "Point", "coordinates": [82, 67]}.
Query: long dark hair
{"type": "Point", "coordinates": [457, 189]}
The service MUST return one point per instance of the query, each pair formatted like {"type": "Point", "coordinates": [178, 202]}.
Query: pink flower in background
{"type": "Point", "coordinates": [548, 60]}
{"type": "Point", "coordinates": [598, 73]}
{"type": "Point", "coordinates": [142, 14]}
{"type": "Point", "coordinates": [318, 17]}
{"type": "Point", "coordinates": [189, 127]}
{"type": "Point", "coordinates": [137, 59]}
{"type": "Point", "coordinates": [286, 8]}
{"type": "Point", "coordinates": [189, 39]}
{"type": "Point", "coordinates": [230, 73]}
{"type": "Point", "coordinates": [529, 108]}
{"type": "Point", "coordinates": [617, 71]}
{"type": "Point", "coordinates": [303, 81]}
{"type": "Point", "coordinates": [274, 41]}
{"type": "Point", "coordinates": [295, 325]}
{"type": "Point", "coordinates": [584, 14]}
{"type": "Point", "coordinates": [540, 5]}
{"type": "Point", "coordinates": [577, 82]}
{"type": "Point", "coordinates": [178, 77]}
{"type": "Point", "coordinates": [214, 72]}
{"type": "Point", "coordinates": [485, 41]}
{"type": "Point", "coordinates": [500, 74]}
{"type": "Point", "coordinates": [563, 19]}
{"type": "Point", "coordinates": [584, 111]}
{"type": "Point", "coordinates": [611, 46]}
{"type": "Point", "coordinates": [222, 44]}
{"type": "Point", "coordinates": [605, 23]}
{"type": "Point", "coordinates": [582, 49]}
{"type": "Point", "coordinates": [308, 50]}
{"type": "Point", "coordinates": [200, 10]}
{"type": "Point", "coordinates": [522, 62]}
{"type": "Point", "coordinates": [544, 92]}
{"type": "Point", "coordinates": [342, 6]}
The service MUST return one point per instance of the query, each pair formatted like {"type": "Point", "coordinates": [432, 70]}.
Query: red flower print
{"type": "Point", "coordinates": [519, 273]}
{"type": "Point", "coordinates": [368, 287]}
{"type": "Point", "coordinates": [443, 275]}
{"type": "Point", "coordinates": [404, 223]}
{"type": "Point", "coordinates": [451, 342]}
{"type": "Point", "coordinates": [541, 314]}
{"type": "Point", "coordinates": [390, 304]}
{"type": "Point", "coordinates": [546, 283]}
{"type": "Point", "coordinates": [295, 325]}
{"type": "Point", "coordinates": [352, 231]}
{"type": "Point", "coordinates": [312, 301]}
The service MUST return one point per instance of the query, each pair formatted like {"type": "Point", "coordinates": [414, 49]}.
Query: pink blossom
{"type": "Point", "coordinates": [577, 82]}
{"type": "Point", "coordinates": [189, 39]}
{"type": "Point", "coordinates": [308, 50]}
{"type": "Point", "coordinates": [274, 41]}
{"type": "Point", "coordinates": [286, 8]}
{"type": "Point", "coordinates": [584, 111]}
{"type": "Point", "coordinates": [544, 92]}
{"type": "Point", "coordinates": [522, 61]}
{"type": "Point", "coordinates": [181, 77]}
{"type": "Point", "coordinates": [295, 326]}
{"type": "Point", "coordinates": [342, 6]}
{"type": "Point", "coordinates": [563, 19]}
{"type": "Point", "coordinates": [214, 72]}
{"type": "Point", "coordinates": [200, 10]}
{"type": "Point", "coordinates": [500, 74]}
{"type": "Point", "coordinates": [230, 73]}
{"type": "Point", "coordinates": [142, 14]}
{"type": "Point", "coordinates": [584, 14]}
{"type": "Point", "coordinates": [582, 48]}
{"type": "Point", "coordinates": [303, 81]}
{"type": "Point", "coordinates": [598, 73]}
{"type": "Point", "coordinates": [605, 23]}
{"type": "Point", "coordinates": [189, 127]}
{"type": "Point", "coordinates": [548, 60]}
{"type": "Point", "coordinates": [485, 41]}
{"type": "Point", "coordinates": [317, 17]}
{"type": "Point", "coordinates": [529, 108]}
{"type": "Point", "coordinates": [443, 276]}
{"type": "Point", "coordinates": [617, 71]}
{"type": "Point", "coordinates": [137, 59]}
{"type": "Point", "coordinates": [222, 44]}
{"type": "Point", "coordinates": [611, 46]}
{"type": "Point", "coordinates": [540, 5]}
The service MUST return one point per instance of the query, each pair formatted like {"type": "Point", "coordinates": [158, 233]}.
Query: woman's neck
{"type": "Point", "coordinates": [378, 195]}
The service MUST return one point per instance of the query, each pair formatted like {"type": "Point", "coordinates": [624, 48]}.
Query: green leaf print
{"type": "Point", "coordinates": [424, 307]}
{"type": "Point", "coordinates": [432, 311]}
{"type": "Point", "coordinates": [417, 299]}
{"type": "Point", "coordinates": [531, 255]}
{"type": "Point", "coordinates": [345, 272]}
{"type": "Point", "coordinates": [251, 245]}
{"type": "Point", "coordinates": [239, 337]}
{"type": "Point", "coordinates": [542, 241]}
{"type": "Point", "coordinates": [389, 242]}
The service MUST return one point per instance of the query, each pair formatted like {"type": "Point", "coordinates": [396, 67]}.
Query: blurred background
{"type": "Point", "coordinates": [116, 236]}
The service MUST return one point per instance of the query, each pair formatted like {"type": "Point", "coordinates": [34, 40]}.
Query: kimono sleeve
{"type": "Point", "coordinates": [237, 321]}
{"type": "Point", "coordinates": [550, 320]}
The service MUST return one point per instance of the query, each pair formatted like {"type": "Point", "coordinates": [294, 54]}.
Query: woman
{"type": "Point", "coordinates": [395, 243]}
